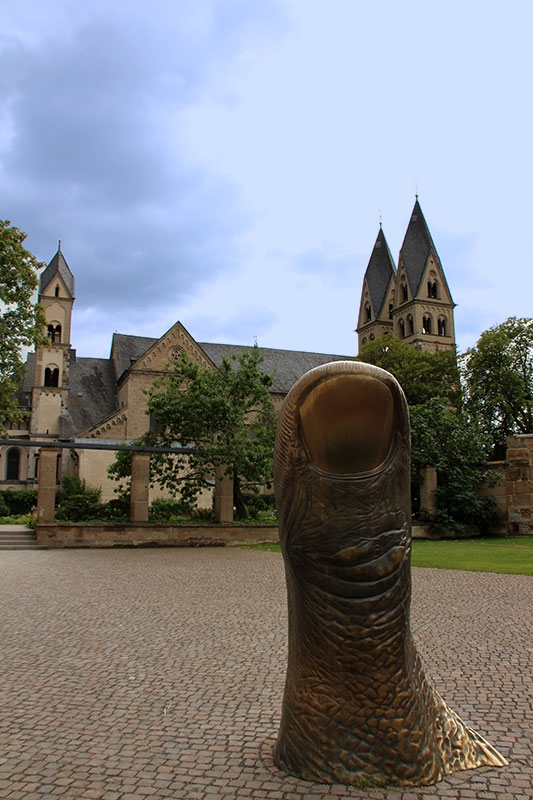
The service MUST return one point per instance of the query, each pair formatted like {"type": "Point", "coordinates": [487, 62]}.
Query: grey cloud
{"type": "Point", "coordinates": [93, 157]}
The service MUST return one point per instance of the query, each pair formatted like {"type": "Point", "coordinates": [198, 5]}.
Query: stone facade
{"type": "Point", "coordinates": [513, 490]}
{"type": "Point", "coordinates": [519, 484]}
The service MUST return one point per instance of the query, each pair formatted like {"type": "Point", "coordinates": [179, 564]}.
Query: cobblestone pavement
{"type": "Point", "coordinates": [158, 673]}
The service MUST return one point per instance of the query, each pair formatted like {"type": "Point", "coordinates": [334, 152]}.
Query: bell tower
{"type": "Point", "coordinates": [52, 359]}
{"type": "Point", "coordinates": [413, 301]}
{"type": "Point", "coordinates": [423, 305]}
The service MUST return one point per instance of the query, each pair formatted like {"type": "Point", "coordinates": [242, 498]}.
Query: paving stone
{"type": "Point", "coordinates": [159, 673]}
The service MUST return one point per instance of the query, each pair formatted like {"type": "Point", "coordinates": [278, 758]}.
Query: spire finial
{"type": "Point", "coordinates": [416, 190]}
{"type": "Point", "coordinates": [59, 246]}
{"type": "Point", "coordinates": [380, 218]}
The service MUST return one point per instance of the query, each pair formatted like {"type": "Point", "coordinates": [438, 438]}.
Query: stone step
{"type": "Point", "coordinates": [13, 537]}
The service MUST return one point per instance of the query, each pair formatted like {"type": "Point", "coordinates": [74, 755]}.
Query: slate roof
{"type": "Point", "coordinates": [416, 248]}
{"type": "Point", "coordinates": [126, 349]}
{"type": "Point", "coordinates": [93, 381]}
{"type": "Point", "coordinates": [380, 270]}
{"type": "Point", "coordinates": [287, 365]}
{"type": "Point", "coordinates": [92, 391]}
{"type": "Point", "coordinates": [57, 265]}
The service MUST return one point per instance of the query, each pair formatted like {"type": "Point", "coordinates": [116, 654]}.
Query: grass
{"type": "Point", "coordinates": [512, 555]}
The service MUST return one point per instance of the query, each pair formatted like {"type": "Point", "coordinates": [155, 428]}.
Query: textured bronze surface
{"type": "Point", "coordinates": [357, 704]}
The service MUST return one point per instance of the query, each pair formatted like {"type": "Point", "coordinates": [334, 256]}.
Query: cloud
{"type": "Point", "coordinates": [90, 148]}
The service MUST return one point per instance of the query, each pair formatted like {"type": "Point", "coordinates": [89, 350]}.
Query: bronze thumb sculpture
{"type": "Point", "coordinates": [357, 705]}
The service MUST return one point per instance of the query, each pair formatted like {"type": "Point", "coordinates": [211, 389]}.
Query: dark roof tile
{"type": "Point", "coordinates": [57, 265]}
{"type": "Point", "coordinates": [416, 248]}
{"type": "Point", "coordinates": [92, 391]}
{"type": "Point", "coordinates": [287, 366]}
{"type": "Point", "coordinates": [380, 270]}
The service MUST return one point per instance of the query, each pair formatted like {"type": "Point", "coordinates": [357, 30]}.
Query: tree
{"type": "Point", "coordinates": [498, 380]}
{"type": "Point", "coordinates": [21, 320]}
{"type": "Point", "coordinates": [458, 448]}
{"type": "Point", "coordinates": [442, 434]}
{"type": "Point", "coordinates": [421, 374]}
{"type": "Point", "coordinates": [225, 415]}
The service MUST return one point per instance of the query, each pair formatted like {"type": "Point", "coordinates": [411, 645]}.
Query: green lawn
{"type": "Point", "coordinates": [513, 555]}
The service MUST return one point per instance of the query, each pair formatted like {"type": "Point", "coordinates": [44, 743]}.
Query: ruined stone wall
{"type": "Point", "coordinates": [513, 491]}
{"type": "Point", "coordinates": [519, 484]}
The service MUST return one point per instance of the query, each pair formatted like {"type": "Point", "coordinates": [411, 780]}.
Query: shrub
{"type": "Point", "coordinates": [19, 502]}
{"type": "Point", "coordinates": [259, 505]}
{"type": "Point", "coordinates": [4, 508]}
{"type": "Point", "coordinates": [77, 502]}
{"type": "Point", "coordinates": [163, 509]}
{"type": "Point", "coordinates": [117, 509]}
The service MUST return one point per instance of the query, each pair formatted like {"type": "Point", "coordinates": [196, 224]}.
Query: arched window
{"type": "Point", "coordinates": [364, 339]}
{"type": "Point", "coordinates": [368, 312]}
{"type": "Point", "coordinates": [426, 324]}
{"type": "Point", "coordinates": [51, 376]}
{"type": "Point", "coordinates": [433, 288]}
{"type": "Point", "coordinates": [56, 292]}
{"type": "Point", "coordinates": [404, 292]}
{"type": "Point", "coordinates": [401, 326]}
{"type": "Point", "coordinates": [410, 325]}
{"type": "Point", "coordinates": [390, 310]}
{"type": "Point", "coordinates": [54, 333]}
{"type": "Point", "coordinates": [371, 337]}
{"type": "Point", "coordinates": [13, 465]}
{"type": "Point", "coordinates": [442, 326]}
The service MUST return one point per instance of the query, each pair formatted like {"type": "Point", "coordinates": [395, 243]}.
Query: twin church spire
{"type": "Point", "coordinates": [412, 300]}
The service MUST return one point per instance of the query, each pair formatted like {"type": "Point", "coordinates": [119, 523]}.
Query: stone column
{"type": "Point", "coordinates": [519, 484]}
{"type": "Point", "coordinates": [428, 485]}
{"type": "Point", "coordinates": [223, 496]}
{"type": "Point", "coordinates": [46, 492]}
{"type": "Point", "coordinates": [140, 487]}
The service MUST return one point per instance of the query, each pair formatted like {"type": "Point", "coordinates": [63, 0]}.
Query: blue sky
{"type": "Point", "coordinates": [226, 162]}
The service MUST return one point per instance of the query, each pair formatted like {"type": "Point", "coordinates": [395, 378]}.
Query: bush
{"type": "Point", "coordinates": [4, 508]}
{"type": "Point", "coordinates": [259, 505]}
{"type": "Point", "coordinates": [18, 502]}
{"type": "Point", "coordinates": [77, 502]}
{"type": "Point", "coordinates": [163, 509]}
{"type": "Point", "coordinates": [117, 509]}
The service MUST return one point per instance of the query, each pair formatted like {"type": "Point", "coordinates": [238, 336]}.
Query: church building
{"type": "Point", "coordinates": [84, 400]}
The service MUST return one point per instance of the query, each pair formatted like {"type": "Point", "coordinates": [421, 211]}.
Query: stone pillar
{"type": "Point", "coordinates": [140, 487]}
{"type": "Point", "coordinates": [46, 492]}
{"type": "Point", "coordinates": [428, 485]}
{"type": "Point", "coordinates": [519, 484]}
{"type": "Point", "coordinates": [223, 496]}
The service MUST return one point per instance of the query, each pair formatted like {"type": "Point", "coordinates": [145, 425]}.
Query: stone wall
{"type": "Point", "coordinates": [513, 491]}
{"type": "Point", "coordinates": [148, 534]}
{"type": "Point", "coordinates": [519, 484]}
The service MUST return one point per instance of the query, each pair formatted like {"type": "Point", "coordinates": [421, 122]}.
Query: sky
{"type": "Point", "coordinates": [226, 163]}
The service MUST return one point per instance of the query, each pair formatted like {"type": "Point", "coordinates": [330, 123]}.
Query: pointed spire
{"type": "Point", "coordinates": [381, 268]}
{"type": "Point", "coordinates": [57, 266]}
{"type": "Point", "coordinates": [416, 247]}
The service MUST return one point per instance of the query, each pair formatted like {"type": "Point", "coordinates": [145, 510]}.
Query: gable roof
{"type": "Point", "coordinates": [287, 366]}
{"type": "Point", "coordinates": [380, 270]}
{"type": "Point", "coordinates": [57, 266]}
{"type": "Point", "coordinates": [416, 247]}
{"type": "Point", "coordinates": [127, 349]}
